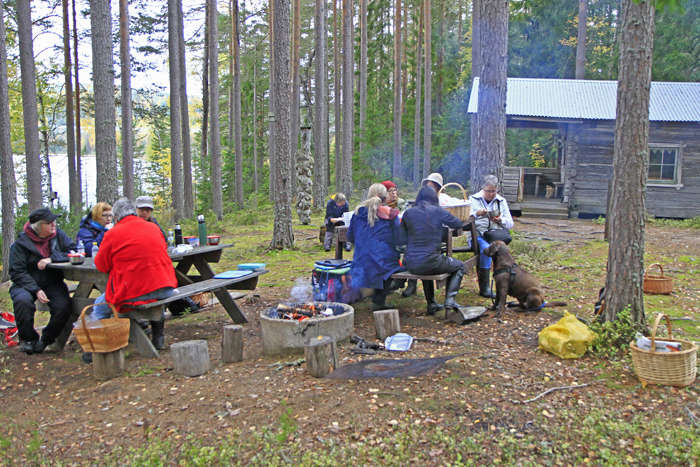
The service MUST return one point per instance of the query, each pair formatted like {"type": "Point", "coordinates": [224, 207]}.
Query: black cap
{"type": "Point", "coordinates": [43, 214]}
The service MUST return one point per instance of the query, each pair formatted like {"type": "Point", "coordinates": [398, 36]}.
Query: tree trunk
{"type": "Point", "coordinates": [491, 151]}
{"type": "Point", "coordinates": [73, 185]}
{"type": "Point", "coordinates": [238, 142]}
{"type": "Point", "coordinates": [205, 87]}
{"type": "Point", "coordinates": [255, 122]}
{"type": "Point", "coordinates": [363, 78]}
{"type": "Point", "coordinates": [397, 170]}
{"type": "Point", "coordinates": [178, 186]}
{"type": "Point", "coordinates": [78, 136]}
{"type": "Point", "coordinates": [127, 112]}
{"type": "Point", "coordinates": [404, 60]}
{"type": "Point", "coordinates": [30, 115]}
{"type": "Point", "coordinates": [348, 99]}
{"type": "Point", "coordinates": [44, 131]}
{"type": "Point", "coordinates": [185, 119]}
{"type": "Point", "coordinates": [271, 104]}
{"type": "Point", "coordinates": [215, 131]}
{"type": "Point", "coordinates": [8, 168]}
{"type": "Point", "coordinates": [428, 101]}
{"type": "Point", "coordinates": [476, 72]}
{"type": "Point", "coordinates": [337, 78]}
{"type": "Point", "coordinates": [321, 159]}
{"type": "Point", "coordinates": [581, 39]}
{"type": "Point", "coordinates": [282, 236]}
{"type": "Point", "coordinates": [105, 116]}
{"type": "Point", "coordinates": [296, 58]}
{"type": "Point", "coordinates": [416, 125]}
{"type": "Point", "coordinates": [625, 271]}
{"type": "Point", "coordinates": [441, 57]}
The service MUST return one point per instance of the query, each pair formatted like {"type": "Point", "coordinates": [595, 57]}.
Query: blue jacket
{"type": "Point", "coordinates": [333, 211]}
{"type": "Point", "coordinates": [90, 231]}
{"type": "Point", "coordinates": [375, 258]}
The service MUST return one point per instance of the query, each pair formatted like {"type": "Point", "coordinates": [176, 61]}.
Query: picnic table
{"type": "Point", "coordinates": [89, 277]}
{"type": "Point", "coordinates": [467, 226]}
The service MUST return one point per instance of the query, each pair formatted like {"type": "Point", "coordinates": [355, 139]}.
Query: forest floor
{"type": "Point", "coordinates": [473, 410]}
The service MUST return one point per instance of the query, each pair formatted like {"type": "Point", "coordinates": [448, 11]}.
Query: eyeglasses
{"type": "Point", "coordinates": [490, 191]}
{"type": "Point", "coordinates": [392, 190]}
{"type": "Point", "coordinates": [107, 216]}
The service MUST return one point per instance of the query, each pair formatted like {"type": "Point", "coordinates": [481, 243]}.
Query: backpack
{"type": "Point", "coordinates": [183, 305]}
{"type": "Point", "coordinates": [333, 284]}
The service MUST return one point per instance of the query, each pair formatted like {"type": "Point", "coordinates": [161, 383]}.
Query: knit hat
{"type": "Point", "coordinates": [434, 177]}
{"type": "Point", "coordinates": [388, 184]}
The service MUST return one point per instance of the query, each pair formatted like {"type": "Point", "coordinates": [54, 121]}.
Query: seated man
{"type": "Point", "coordinates": [144, 209]}
{"type": "Point", "coordinates": [40, 244]}
{"type": "Point", "coordinates": [140, 269]}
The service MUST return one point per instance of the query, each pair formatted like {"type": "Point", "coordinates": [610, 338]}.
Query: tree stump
{"type": "Point", "coordinates": [386, 323]}
{"type": "Point", "coordinates": [190, 358]}
{"type": "Point", "coordinates": [108, 365]}
{"type": "Point", "coordinates": [232, 344]}
{"type": "Point", "coordinates": [320, 355]}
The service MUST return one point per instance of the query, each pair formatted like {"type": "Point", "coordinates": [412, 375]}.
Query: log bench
{"type": "Point", "coordinates": [154, 311]}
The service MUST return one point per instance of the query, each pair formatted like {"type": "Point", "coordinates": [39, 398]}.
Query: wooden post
{"type": "Point", "coordinates": [108, 365]}
{"type": "Point", "coordinates": [232, 344]}
{"type": "Point", "coordinates": [319, 354]}
{"type": "Point", "coordinates": [386, 323]}
{"type": "Point", "coordinates": [190, 358]}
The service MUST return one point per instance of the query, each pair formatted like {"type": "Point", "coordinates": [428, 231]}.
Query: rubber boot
{"type": "Point", "coordinates": [158, 334]}
{"type": "Point", "coordinates": [453, 283]}
{"type": "Point", "coordinates": [40, 346]}
{"type": "Point", "coordinates": [379, 297]}
{"type": "Point", "coordinates": [410, 288]}
{"type": "Point", "coordinates": [429, 290]}
{"type": "Point", "coordinates": [484, 275]}
{"type": "Point", "coordinates": [397, 284]}
{"type": "Point", "coordinates": [27, 346]}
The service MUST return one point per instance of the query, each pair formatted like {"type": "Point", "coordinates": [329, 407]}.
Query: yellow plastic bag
{"type": "Point", "coordinates": [569, 338]}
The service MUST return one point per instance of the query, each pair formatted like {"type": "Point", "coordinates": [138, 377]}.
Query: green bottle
{"type": "Point", "coordinates": [202, 230]}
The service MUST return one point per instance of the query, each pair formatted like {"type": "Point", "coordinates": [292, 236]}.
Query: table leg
{"type": "Point", "coordinates": [141, 341]}
{"type": "Point", "coordinates": [81, 294]}
{"type": "Point", "coordinates": [222, 294]}
{"type": "Point", "coordinates": [339, 246]}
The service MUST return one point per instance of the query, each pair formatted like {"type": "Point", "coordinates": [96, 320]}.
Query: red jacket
{"type": "Point", "coordinates": [136, 258]}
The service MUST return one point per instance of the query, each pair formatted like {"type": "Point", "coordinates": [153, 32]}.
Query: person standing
{"type": "Point", "coordinates": [94, 226]}
{"type": "Point", "coordinates": [335, 208]}
{"type": "Point", "coordinates": [40, 244]}
{"type": "Point", "coordinates": [491, 212]}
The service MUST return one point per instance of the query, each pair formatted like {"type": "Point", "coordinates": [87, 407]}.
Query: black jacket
{"type": "Point", "coordinates": [155, 221]}
{"type": "Point", "coordinates": [333, 211]}
{"type": "Point", "coordinates": [24, 257]}
{"type": "Point", "coordinates": [422, 231]}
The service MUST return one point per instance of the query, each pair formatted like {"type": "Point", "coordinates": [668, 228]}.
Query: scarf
{"type": "Point", "coordinates": [42, 244]}
{"type": "Point", "coordinates": [98, 226]}
{"type": "Point", "coordinates": [393, 203]}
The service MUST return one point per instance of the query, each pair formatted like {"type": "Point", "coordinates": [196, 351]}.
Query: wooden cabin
{"type": "Point", "coordinates": [583, 114]}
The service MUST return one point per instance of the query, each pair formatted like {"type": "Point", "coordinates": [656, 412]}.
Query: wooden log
{"type": "Point", "coordinates": [232, 344]}
{"type": "Point", "coordinates": [386, 323]}
{"type": "Point", "coordinates": [320, 354]}
{"type": "Point", "coordinates": [108, 365]}
{"type": "Point", "coordinates": [190, 358]}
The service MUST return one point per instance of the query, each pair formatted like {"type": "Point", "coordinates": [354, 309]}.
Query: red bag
{"type": "Point", "coordinates": [7, 330]}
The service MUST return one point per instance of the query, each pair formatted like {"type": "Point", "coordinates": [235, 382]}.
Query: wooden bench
{"type": "Point", "coordinates": [154, 311]}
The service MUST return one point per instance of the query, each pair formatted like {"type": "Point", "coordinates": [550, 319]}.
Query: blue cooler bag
{"type": "Point", "coordinates": [332, 283]}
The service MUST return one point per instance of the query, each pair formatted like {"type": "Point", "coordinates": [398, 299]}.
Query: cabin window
{"type": "Point", "coordinates": [664, 165]}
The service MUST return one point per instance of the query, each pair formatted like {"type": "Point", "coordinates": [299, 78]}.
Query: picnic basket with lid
{"type": "Point", "coordinates": [657, 284]}
{"type": "Point", "coordinates": [112, 335]}
{"type": "Point", "coordinates": [666, 369]}
{"type": "Point", "coordinates": [462, 211]}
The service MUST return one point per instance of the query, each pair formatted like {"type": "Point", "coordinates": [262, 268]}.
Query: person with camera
{"type": "Point", "coordinates": [493, 222]}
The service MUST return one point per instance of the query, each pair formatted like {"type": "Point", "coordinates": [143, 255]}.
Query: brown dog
{"type": "Point", "coordinates": [511, 279]}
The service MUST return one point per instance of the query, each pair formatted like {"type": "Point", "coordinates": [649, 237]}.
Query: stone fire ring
{"type": "Point", "coordinates": [288, 336]}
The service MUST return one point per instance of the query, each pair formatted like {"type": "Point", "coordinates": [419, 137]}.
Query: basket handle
{"type": "Point", "coordinates": [658, 266]}
{"type": "Point", "coordinates": [656, 325]}
{"type": "Point", "coordinates": [456, 184]}
{"type": "Point", "coordinates": [85, 328]}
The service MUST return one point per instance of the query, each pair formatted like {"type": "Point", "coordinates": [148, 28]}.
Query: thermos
{"type": "Point", "coordinates": [202, 230]}
{"type": "Point", "coordinates": [178, 234]}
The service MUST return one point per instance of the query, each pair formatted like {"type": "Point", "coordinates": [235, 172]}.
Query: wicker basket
{"type": "Point", "coordinates": [460, 212]}
{"type": "Point", "coordinates": [113, 335]}
{"type": "Point", "coordinates": [665, 369]}
{"type": "Point", "coordinates": [657, 284]}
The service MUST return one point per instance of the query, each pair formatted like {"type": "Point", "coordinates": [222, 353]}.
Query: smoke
{"type": "Point", "coordinates": [302, 291]}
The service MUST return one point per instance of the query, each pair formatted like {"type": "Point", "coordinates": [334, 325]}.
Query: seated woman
{"type": "Point", "coordinates": [374, 229]}
{"type": "Point", "coordinates": [335, 208]}
{"type": "Point", "coordinates": [94, 226]}
{"type": "Point", "coordinates": [392, 199]}
{"type": "Point", "coordinates": [422, 230]}
{"type": "Point", "coordinates": [484, 202]}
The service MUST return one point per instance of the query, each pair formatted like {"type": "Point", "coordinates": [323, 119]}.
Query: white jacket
{"type": "Point", "coordinates": [483, 223]}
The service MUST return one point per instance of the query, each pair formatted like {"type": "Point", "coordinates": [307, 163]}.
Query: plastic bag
{"type": "Point", "coordinates": [568, 338]}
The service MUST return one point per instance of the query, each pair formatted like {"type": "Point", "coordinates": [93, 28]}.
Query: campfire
{"type": "Point", "coordinates": [303, 311]}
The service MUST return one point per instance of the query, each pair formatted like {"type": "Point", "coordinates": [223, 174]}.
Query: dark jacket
{"type": "Point", "coordinates": [24, 257]}
{"type": "Point", "coordinates": [155, 221]}
{"type": "Point", "coordinates": [90, 233]}
{"type": "Point", "coordinates": [421, 231]}
{"type": "Point", "coordinates": [333, 211]}
{"type": "Point", "coordinates": [375, 258]}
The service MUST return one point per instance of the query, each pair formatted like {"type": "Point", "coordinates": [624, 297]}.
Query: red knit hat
{"type": "Point", "coordinates": [388, 184]}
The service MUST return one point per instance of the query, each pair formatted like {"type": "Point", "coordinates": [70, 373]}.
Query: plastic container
{"type": "Point", "coordinates": [194, 241]}
{"type": "Point", "coordinates": [81, 248]}
{"type": "Point", "coordinates": [94, 250]}
{"type": "Point", "coordinates": [252, 266]}
{"type": "Point", "coordinates": [213, 239]}
{"type": "Point", "coordinates": [399, 342]}
{"type": "Point", "coordinates": [76, 258]}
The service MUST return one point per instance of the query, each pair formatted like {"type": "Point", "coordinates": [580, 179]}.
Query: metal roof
{"type": "Point", "coordinates": [592, 100]}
